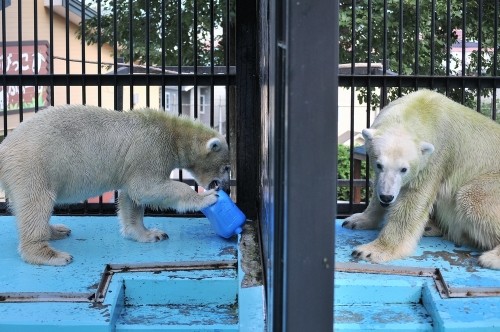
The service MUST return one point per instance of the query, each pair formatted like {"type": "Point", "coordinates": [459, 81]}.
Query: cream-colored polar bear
{"type": "Point", "coordinates": [69, 153]}
{"type": "Point", "coordinates": [431, 154]}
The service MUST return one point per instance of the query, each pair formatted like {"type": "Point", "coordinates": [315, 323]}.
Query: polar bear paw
{"type": "Point", "coordinates": [59, 231]}
{"type": "Point", "coordinates": [374, 252]}
{"type": "Point", "coordinates": [360, 221]}
{"type": "Point", "coordinates": [41, 253]}
{"type": "Point", "coordinates": [142, 234]}
{"type": "Point", "coordinates": [209, 197]}
{"type": "Point", "coordinates": [491, 259]}
{"type": "Point", "coordinates": [431, 229]}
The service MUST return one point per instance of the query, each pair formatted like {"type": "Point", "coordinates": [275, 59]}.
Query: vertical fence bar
{"type": "Point", "coordinates": [248, 129]}
{"type": "Point", "coordinates": [180, 62]}
{"type": "Point", "coordinates": [35, 53]}
{"type": "Point", "coordinates": [148, 64]}
{"type": "Point", "coordinates": [400, 43]}
{"type": "Point", "coordinates": [479, 51]}
{"type": "Point", "coordinates": [212, 73]}
{"type": "Point", "coordinates": [385, 61]}
{"type": "Point", "coordinates": [195, 57]}
{"type": "Point", "coordinates": [162, 63]}
{"type": "Point", "coordinates": [309, 188]}
{"type": "Point", "coordinates": [464, 42]}
{"type": "Point", "coordinates": [416, 70]}
{"type": "Point", "coordinates": [131, 51]}
{"type": "Point", "coordinates": [4, 69]}
{"type": "Point", "coordinates": [352, 103]}
{"type": "Point", "coordinates": [51, 52]}
{"type": "Point", "coordinates": [433, 37]}
{"type": "Point", "coordinates": [494, 72]}
{"type": "Point", "coordinates": [20, 40]}
{"type": "Point", "coordinates": [68, 55]}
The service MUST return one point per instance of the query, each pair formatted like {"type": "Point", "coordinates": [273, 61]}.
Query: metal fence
{"type": "Point", "coordinates": [178, 56]}
{"type": "Point", "coordinates": [389, 48]}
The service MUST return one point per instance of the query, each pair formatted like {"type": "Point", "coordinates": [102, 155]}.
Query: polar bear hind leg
{"type": "Point", "coordinates": [33, 215]}
{"type": "Point", "coordinates": [478, 206]}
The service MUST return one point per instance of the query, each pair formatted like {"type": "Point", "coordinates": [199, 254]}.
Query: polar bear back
{"type": "Point", "coordinates": [462, 137]}
{"type": "Point", "coordinates": [75, 146]}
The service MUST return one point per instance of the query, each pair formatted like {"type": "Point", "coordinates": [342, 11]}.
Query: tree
{"type": "Point", "coordinates": [169, 25]}
{"type": "Point", "coordinates": [421, 34]}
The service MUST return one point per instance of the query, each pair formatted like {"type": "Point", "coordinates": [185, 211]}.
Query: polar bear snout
{"type": "Point", "coordinates": [219, 184]}
{"type": "Point", "coordinates": [385, 200]}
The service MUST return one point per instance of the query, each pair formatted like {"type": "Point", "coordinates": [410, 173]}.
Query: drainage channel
{"type": "Point", "coordinates": [109, 271]}
{"type": "Point", "coordinates": [444, 289]}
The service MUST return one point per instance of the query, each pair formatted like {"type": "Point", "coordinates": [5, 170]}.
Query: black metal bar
{"type": "Point", "coordinates": [310, 187]}
{"type": "Point", "coordinates": [148, 63]}
{"type": "Point", "coordinates": [464, 33]}
{"type": "Point", "coordinates": [51, 52]}
{"type": "Point", "coordinates": [424, 81]}
{"type": "Point", "coordinates": [123, 80]}
{"type": "Point", "coordinates": [180, 61]}
{"type": "Point", "coordinates": [433, 36]}
{"type": "Point", "coordinates": [19, 59]}
{"type": "Point", "coordinates": [117, 99]}
{"type": "Point", "coordinates": [248, 106]}
{"type": "Point", "coordinates": [416, 69]}
{"type": "Point", "coordinates": [84, 85]}
{"type": "Point", "coordinates": [35, 41]}
{"type": "Point", "coordinates": [4, 70]}
{"type": "Point", "coordinates": [68, 86]}
{"type": "Point", "coordinates": [131, 52]}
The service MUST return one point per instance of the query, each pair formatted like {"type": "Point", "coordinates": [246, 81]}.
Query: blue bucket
{"type": "Point", "coordinates": [226, 218]}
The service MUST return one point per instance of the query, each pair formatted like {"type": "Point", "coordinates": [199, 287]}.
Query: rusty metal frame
{"type": "Point", "coordinates": [443, 288]}
{"type": "Point", "coordinates": [109, 271]}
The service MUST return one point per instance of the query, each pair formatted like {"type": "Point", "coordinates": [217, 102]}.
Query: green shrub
{"type": "Point", "coordinates": [344, 173]}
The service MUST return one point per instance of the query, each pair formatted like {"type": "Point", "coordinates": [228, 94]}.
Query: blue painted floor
{"type": "Point", "coordinates": [190, 282]}
{"type": "Point", "coordinates": [144, 291]}
{"type": "Point", "coordinates": [404, 295]}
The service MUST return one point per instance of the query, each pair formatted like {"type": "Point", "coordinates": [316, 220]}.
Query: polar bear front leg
{"type": "Point", "coordinates": [491, 259]}
{"type": "Point", "coordinates": [131, 217]}
{"type": "Point", "coordinates": [398, 238]}
{"type": "Point", "coordinates": [368, 219]}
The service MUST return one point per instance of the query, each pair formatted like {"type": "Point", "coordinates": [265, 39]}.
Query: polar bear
{"type": "Point", "coordinates": [69, 153]}
{"type": "Point", "coordinates": [432, 155]}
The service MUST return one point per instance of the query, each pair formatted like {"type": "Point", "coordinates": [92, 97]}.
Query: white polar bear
{"type": "Point", "coordinates": [432, 155]}
{"type": "Point", "coordinates": [67, 154]}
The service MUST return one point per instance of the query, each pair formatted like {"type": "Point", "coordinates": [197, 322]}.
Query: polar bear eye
{"type": "Point", "coordinates": [404, 170]}
{"type": "Point", "coordinates": [379, 166]}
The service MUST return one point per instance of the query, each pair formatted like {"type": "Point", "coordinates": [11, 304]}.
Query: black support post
{"type": "Point", "coordinates": [247, 108]}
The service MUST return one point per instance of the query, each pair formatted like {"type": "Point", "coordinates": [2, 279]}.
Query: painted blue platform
{"type": "Point", "coordinates": [439, 288]}
{"type": "Point", "coordinates": [190, 282]}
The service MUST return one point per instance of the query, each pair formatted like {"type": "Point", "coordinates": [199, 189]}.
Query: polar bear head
{"type": "Point", "coordinates": [212, 166]}
{"type": "Point", "coordinates": [397, 158]}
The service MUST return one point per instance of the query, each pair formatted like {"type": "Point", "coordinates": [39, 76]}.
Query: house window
{"type": "Point", "coordinates": [202, 105]}
{"type": "Point", "coordinates": [167, 102]}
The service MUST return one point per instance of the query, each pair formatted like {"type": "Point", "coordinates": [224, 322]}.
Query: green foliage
{"type": "Point", "coordinates": [170, 35]}
{"type": "Point", "coordinates": [344, 172]}
{"type": "Point", "coordinates": [421, 37]}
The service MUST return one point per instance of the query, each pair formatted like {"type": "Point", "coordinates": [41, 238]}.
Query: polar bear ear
{"type": "Point", "coordinates": [368, 134]}
{"type": "Point", "coordinates": [214, 145]}
{"type": "Point", "coordinates": [426, 148]}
